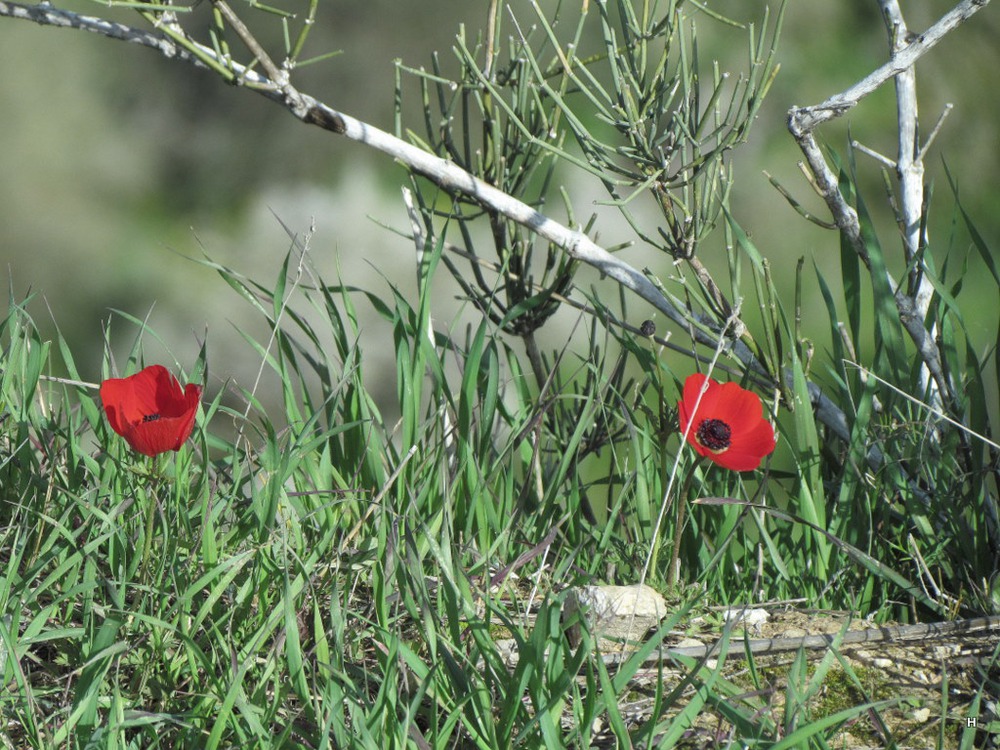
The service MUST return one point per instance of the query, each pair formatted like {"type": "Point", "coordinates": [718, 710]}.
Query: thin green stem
{"type": "Point", "coordinates": [151, 500]}
{"type": "Point", "coordinates": [673, 573]}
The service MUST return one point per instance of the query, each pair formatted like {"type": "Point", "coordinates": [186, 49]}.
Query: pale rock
{"type": "Point", "coordinates": [753, 620]}
{"type": "Point", "coordinates": [616, 613]}
{"type": "Point", "coordinates": [689, 643]}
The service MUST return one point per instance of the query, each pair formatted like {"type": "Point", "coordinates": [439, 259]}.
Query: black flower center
{"type": "Point", "coordinates": [714, 434]}
{"type": "Point", "coordinates": [150, 417]}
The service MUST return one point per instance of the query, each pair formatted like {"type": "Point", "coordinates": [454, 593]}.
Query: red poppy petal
{"type": "Point", "coordinates": [737, 404]}
{"type": "Point", "coordinates": [185, 423]}
{"type": "Point", "coordinates": [755, 409]}
{"type": "Point", "coordinates": [692, 386]}
{"type": "Point", "coordinates": [741, 405]}
{"type": "Point", "coordinates": [700, 449]}
{"type": "Point", "coordinates": [752, 436]}
{"type": "Point", "coordinates": [163, 388]}
{"type": "Point", "coordinates": [152, 438]}
{"type": "Point", "coordinates": [161, 435]}
{"type": "Point", "coordinates": [692, 390]}
{"type": "Point", "coordinates": [736, 460]}
{"type": "Point", "coordinates": [116, 397]}
{"type": "Point", "coordinates": [749, 449]}
{"type": "Point", "coordinates": [192, 397]}
{"type": "Point", "coordinates": [762, 438]}
{"type": "Point", "coordinates": [151, 392]}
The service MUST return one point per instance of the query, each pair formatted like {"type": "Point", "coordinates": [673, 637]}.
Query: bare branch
{"type": "Point", "coordinates": [936, 129]}
{"type": "Point", "coordinates": [805, 119]}
{"type": "Point", "coordinates": [910, 172]}
{"type": "Point", "coordinates": [907, 48]}
{"type": "Point", "coordinates": [826, 184]}
{"type": "Point", "coordinates": [909, 167]}
{"type": "Point", "coordinates": [47, 15]}
{"type": "Point", "coordinates": [444, 173]}
{"type": "Point", "coordinates": [173, 44]}
{"type": "Point", "coordinates": [913, 303]}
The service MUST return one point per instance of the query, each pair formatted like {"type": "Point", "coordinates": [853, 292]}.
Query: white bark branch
{"type": "Point", "coordinates": [806, 119]}
{"type": "Point", "coordinates": [913, 304]}
{"type": "Point", "coordinates": [47, 15]}
{"type": "Point", "coordinates": [440, 171]}
{"type": "Point", "coordinates": [909, 169]}
{"type": "Point", "coordinates": [802, 122]}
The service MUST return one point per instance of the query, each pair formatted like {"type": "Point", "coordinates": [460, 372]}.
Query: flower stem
{"type": "Point", "coordinates": [151, 500]}
{"type": "Point", "coordinates": [673, 573]}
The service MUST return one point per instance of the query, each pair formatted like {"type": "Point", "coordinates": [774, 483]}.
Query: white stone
{"type": "Point", "coordinates": [752, 619]}
{"type": "Point", "coordinates": [614, 612]}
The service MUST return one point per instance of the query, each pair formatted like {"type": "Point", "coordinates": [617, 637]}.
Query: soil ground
{"type": "Point", "coordinates": [927, 692]}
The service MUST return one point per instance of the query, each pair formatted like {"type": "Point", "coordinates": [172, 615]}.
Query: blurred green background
{"type": "Point", "coordinates": [116, 163]}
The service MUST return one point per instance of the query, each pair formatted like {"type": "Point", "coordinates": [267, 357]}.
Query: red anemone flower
{"type": "Point", "coordinates": [728, 426]}
{"type": "Point", "coordinates": [150, 410]}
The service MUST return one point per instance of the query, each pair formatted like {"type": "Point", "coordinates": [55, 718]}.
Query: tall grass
{"type": "Point", "coordinates": [321, 578]}
{"type": "Point", "coordinates": [309, 572]}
